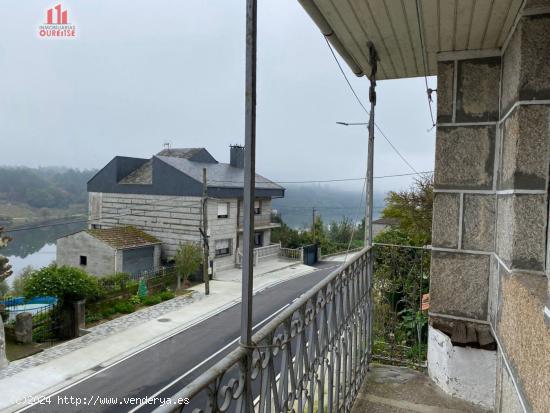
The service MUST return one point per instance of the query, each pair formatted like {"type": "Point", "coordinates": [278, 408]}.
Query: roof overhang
{"type": "Point", "coordinates": [481, 27]}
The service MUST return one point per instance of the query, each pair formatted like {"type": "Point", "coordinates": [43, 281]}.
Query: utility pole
{"type": "Point", "coordinates": [373, 62]}
{"type": "Point", "coordinates": [313, 224]}
{"type": "Point", "coordinates": [206, 248]}
{"type": "Point", "coordinates": [248, 196]}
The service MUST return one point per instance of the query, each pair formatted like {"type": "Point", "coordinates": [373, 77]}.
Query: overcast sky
{"type": "Point", "coordinates": [141, 73]}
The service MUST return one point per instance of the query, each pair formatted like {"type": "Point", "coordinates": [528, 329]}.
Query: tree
{"type": "Point", "coordinates": [188, 260]}
{"type": "Point", "coordinates": [413, 208]}
{"type": "Point", "coordinates": [18, 284]}
{"type": "Point", "coordinates": [5, 268]}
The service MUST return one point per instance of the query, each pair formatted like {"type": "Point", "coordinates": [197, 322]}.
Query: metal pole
{"type": "Point", "coordinates": [206, 249]}
{"type": "Point", "coordinates": [373, 59]}
{"type": "Point", "coordinates": [249, 186]}
{"type": "Point", "coordinates": [313, 224]}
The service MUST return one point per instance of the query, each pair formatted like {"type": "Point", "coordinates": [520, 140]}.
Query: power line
{"type": "Point", "coordinates": [331, 180]}
{"type": "Point", "coordinates": [92, 219]}
{"type": "Point", "coordinates": [428, 90]}
{"type": "Point", "coordinates": [367, 112]}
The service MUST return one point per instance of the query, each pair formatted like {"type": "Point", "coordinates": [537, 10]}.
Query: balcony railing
{"type": "Point", "coordinates": [313, 356]}
{"type": "Point", "coordinates": [270, 251]}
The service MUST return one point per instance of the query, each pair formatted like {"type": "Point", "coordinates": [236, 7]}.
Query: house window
{"type": "Point", "coordinates": [258, 239]}
{"type": "Point", "coordinates": [257, 207]}
{"type": "Point", "coordinates": [223, 247]}
{"type": "Point", "coordinates": [223, 209]}
{"type": "Point", "coordinates": [83, 260]}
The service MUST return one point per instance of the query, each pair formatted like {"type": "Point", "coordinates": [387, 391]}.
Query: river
{"type": "Point", "coordinates": [35, 247]}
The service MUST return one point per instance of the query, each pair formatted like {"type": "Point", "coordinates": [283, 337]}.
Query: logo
{"type": "Point", "coordinates": [57, 24]}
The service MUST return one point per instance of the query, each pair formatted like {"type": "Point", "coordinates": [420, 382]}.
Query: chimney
{"type": "Point", "coordinates": [236, 156]}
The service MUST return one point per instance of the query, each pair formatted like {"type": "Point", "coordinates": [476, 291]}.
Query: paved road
{"type": "Point", "coordinates": [158, 370]}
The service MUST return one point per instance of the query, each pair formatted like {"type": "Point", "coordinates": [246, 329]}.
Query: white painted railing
{"type": "Point", "coordinates": [270, 251]}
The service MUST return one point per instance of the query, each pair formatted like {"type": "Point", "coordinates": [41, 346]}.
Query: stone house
{"type": "Point", "coordinates": [489, 337]}
{"type": "Point", "coordinates": [382, 224]}
{"type": "Point", "coordinates": [163, 197]}
{"type": "Point", "coordinates": [110, 250]}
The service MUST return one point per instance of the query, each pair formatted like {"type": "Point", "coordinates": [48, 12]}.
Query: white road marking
{"type": "Point", "coordinates": [204, 361]}
{"type": "Point", "coordinates": [198, 321]}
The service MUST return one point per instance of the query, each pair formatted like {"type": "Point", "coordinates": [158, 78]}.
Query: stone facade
{"type": "Point", "coordinates": [490, 228]}
{"type": "Point", "coordinates": [177, 219]}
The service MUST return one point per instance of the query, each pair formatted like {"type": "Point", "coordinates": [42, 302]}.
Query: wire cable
{"type": "Point", "coordinates": [92, 219]}
{"type": "Point", "coordinates": [331, 180]}
{"type": "Point", "coordinates": [367, 111]}
{"type": "Point", "coordinates": [424, 61]}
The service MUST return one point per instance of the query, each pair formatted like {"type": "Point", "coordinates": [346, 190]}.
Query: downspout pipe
{"type": "Point", "coordinates": [311, 8]}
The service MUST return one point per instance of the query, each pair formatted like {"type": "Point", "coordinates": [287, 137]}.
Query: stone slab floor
{"type": "Point", "coordinates": [390, 389]}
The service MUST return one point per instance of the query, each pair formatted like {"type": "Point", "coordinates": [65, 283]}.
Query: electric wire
{"type": "Point", "coordinates": [92, 219]}
{"type": "Point", "coordinates": [329, 180]}
{"type": "Point", "coordinates": [368, 112]}
{"type": "Point", "coordinates": [424, 61]}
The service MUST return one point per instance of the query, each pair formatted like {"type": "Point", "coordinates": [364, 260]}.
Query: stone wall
{"type": "Point", "coordinates": [175, 220]}
{"type": "Point", "coordinates": [171, 219]}
{"type": "Point", "coordinates": [490, 222]}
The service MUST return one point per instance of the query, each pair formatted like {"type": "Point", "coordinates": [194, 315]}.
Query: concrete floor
{"type": "Point", "coordinates": [390, 389]}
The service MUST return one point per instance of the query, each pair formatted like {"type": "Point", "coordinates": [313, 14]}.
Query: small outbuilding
{"type": "Point", "coordinates": [110, 250]}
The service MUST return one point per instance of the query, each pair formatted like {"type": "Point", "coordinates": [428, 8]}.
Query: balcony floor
{"type": "Point", "coordinates": [390, 389]}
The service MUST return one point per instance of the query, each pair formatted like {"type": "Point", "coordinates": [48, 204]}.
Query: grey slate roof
{"type": "Point", "coordinates": [177, 171]}
{"type": "Point", "coordinates": [218, 174]}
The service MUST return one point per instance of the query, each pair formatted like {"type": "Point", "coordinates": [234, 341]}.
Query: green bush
{"type": "Point", "coordinates": [107, 312]}
{"type": "Point", "coordinates": [114, 282]}
{"type": "Point", "coordinates": [166, 295]}
{"type": "Point", "coordinates": [92, 316]}
{"type": "Point", "coordinates": [135, 299]}
{"type": "Point", "coordinates": [124, 307]}
{"type": "Point", "coordinates": [151, 300]}
{"type": "Point", "coordinates": [65, 283]}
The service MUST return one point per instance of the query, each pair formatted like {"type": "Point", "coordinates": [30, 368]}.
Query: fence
{"type": "Point", "coordinates": [312, 357]}
{"type": "Point", "coordinates": [45, 317]}
{"type": "Point", "coordinates": [401, 277]}
{"type": "Point", "coordinates": [122, 284]}
{"type": "Point", "coordinates": [292, 253]}
{"type": "Point", "coordinates": [270, 251]}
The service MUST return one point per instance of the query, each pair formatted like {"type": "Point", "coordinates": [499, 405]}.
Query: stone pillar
{"type": "Point", "coordinates": [463, 233]}
{"type": "Point", "coordinates": [3, 359]}
{"type": "Point", "coordinates": [23, 328]}
{"type": "Point", "coordinates": [490, 224]}
{"type": "Point", "coordinates": [520, 287]}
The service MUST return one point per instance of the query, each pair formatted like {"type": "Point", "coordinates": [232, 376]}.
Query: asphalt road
{"type": "Point", "coordinates": [168, 366]}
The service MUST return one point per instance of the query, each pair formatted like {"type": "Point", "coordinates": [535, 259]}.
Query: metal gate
{"type": "Point", "coordinates": [311, 254]}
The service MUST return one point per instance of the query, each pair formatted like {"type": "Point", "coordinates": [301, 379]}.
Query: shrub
{"type": "Point", "coordinates": [114, 282]}
{"type": "Point", "coordinates": [124, 307]}
{"type": "Point", "coordinates": [151, 300]}
{"type": "Point", "coordinates": [65, 283]}
{"type": "Point", "coordinates": [92, 316]}
{"type": "Point", "coordinates": [135, 299]}
{"type": "Point", "coordinates": [107, 312]}
{"type": "Point", "coordinates": [188, 260]}
{"type": "Point", "coordinates": [166, 295]}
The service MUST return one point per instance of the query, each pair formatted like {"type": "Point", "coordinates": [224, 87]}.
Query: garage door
{"type": "Point", "coordinates": [137, 260]}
